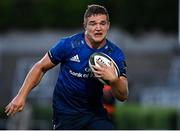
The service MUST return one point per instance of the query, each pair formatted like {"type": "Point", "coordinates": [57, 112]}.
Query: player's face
{"type": "Point", "coordinates": [96, 28]}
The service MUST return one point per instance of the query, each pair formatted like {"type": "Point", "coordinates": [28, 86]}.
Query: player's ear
{"type": "Point", "coordinates": [109, 24]}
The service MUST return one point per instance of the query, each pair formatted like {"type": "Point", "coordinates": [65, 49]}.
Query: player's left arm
{"type": "Point", "coordinates": [119, 84]}
{"type": "Point", "coordinates": [119, 87]}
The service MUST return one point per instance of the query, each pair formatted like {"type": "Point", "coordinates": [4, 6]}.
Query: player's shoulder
{"type": "Point", "coordinates": [113, 47]}
{"type": "Point", "coordinates": [76, 36]}
{"type": "Point", "coordinates": [74, 40]}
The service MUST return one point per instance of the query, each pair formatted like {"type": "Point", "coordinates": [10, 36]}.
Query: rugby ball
{"type": "Point", "coordinates": [105, 59]}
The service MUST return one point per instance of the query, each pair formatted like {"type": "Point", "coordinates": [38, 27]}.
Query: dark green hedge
{"type": "Point", "coordinates": [42, 112]}
{"type": "Point", "coordinates": [145, 118]}
{"type": "Point", "coordinates": [2, 113]}
{"type": "Point", "coordinates": [125, 117]}
{"type": "Point", "coordinates": [132, 15]}
{"type": "Point", "coordinates": [129, 117]}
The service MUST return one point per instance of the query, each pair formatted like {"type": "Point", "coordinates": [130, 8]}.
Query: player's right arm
{"type": "Point", "coordinates": [32, 80]}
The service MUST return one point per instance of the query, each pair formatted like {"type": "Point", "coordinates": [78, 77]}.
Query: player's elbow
{"type": "Point", "coordinates": [39, 67]}
{"type": "Point", "coordinates": [122, 98]}
{"type": "Point", "coordinates": [122, 95]}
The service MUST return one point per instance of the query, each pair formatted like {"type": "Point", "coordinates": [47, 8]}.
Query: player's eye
{"type": "Point", "coordinates": [92, 23]}
{"type": "Point", "coordinates": [103, 23]}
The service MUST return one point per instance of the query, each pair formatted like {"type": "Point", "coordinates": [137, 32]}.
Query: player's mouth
{"type": "Point", "coordinates": [98, 34]}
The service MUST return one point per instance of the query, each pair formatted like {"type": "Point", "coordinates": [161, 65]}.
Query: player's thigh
{"type": "Point", "coordinates": [102, 123]}
{"type": "Point", "coordinates": [69, 122]}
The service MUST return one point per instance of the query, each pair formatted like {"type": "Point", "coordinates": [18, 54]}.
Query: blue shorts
{"type": "Point", "coordinates": [82, 121]}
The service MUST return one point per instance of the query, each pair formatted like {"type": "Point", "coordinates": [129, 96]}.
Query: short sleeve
{"type": "Point", "coordinates": [58, 51]}
{"type": "Point", "coordinates": [122, 65]}
{"type": "Point", "coordinates": [123, 69]}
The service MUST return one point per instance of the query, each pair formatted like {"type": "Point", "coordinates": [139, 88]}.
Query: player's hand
{"type": "Point", "coordinates": [105, 72]}
{"type": "Point", "coordinates": [16, 105]}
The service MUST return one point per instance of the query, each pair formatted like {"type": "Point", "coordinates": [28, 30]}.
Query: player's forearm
{"type": "Point", "coordinates": [32, 79]}
{"type": "Point", "coordinates": [120, 88]}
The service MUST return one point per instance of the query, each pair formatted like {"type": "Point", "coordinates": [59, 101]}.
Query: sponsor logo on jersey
{"type": "Point", "coordinates": [80, 75]}
{"type": "Point", "coordinates": [75, 58]}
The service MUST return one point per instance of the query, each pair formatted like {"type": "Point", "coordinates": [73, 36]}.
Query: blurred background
{"type": "Point", "coordinates": [147, 32]}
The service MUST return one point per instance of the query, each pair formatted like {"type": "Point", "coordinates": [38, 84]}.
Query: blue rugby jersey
{"type": "Point", "coordinates": [76, 89]}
